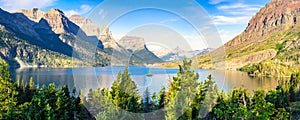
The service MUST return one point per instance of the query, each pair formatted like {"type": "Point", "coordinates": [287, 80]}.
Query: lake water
{"type": "Point", "coordinates": [86, 78]}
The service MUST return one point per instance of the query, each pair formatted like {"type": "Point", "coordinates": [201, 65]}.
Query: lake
{"type": "Point", "coordinates": [86, 78]}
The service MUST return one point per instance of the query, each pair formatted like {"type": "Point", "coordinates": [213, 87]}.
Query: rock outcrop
{"type": "Point", "coordinates": [101, 32]}
{"type": "Point", "coordinates": [53, 35]}
{"type": "Point", "coordinates": [278, 15]}
{"type": "Point", "coordinates": [271, 36]}
{"type": "Point", "coordinates": [34, 14]}
{"type": "Point", "coordinates": [132, 43]}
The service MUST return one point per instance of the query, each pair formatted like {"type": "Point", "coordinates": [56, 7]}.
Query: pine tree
{"type": "Point", "coordinates": [260, 109]}
{"type": "Point", "coordinates": [161, 98]}
{"type": "Point", "coordinates": [211, 91]}
{"type": "Point", "coordinates": [153, 101]}
{"type": "Point", "coordinates": [239, 104]}
{"type": "Point", "coordinates": [8, 91]}
{"type": "Point", "coordinates": [220, 110]}
{"type": "Point", "coordinates": [146, 101]}
{"type": "Point", "coordinates": [133, 105]}
{"type": "Point", "coordinates": [123, 88]}
{"type": "Point", "coordinates": [182, 92]}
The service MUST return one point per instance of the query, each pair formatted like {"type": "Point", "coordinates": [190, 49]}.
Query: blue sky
{"type": "Point", "coordinates": [230, 17]}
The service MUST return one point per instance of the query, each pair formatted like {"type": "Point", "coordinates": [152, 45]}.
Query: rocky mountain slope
{"type": "Point", "coordinates": [269, 43]}
{"type": "Point", "coordinates": [101, 32]}
{"type": "Point", "coordinates": [36, 38]}
{"type": "Point", "coordinates": [138, 49]}
{"type": "Point", "coordinates": [128, 47]}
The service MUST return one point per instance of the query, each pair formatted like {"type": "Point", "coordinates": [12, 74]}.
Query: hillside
{"type": "Point", "coordinates": [139, 53]}
{"type": "Point", "coordinates": [271, 38]}
{"type": "Point", "coordinates": [128, 49]}
{"type": "Point", "coordinates": [33, 38]}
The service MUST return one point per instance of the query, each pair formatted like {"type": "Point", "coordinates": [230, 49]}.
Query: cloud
{"type": "Point", "coordinates": [237, 13]}
{"type": "Point", "coordinates": [216, 1]}
{"type": "Point", "coordinates": [83, 10]}
{"type": "Point", "coordinates": [238, 6]}
{"type": "Point", "coordinates": [13, 5]}
{"type": "Point", "coordinates": [225, 20]}
{"type": "Point", "coordinates": [239, 9]}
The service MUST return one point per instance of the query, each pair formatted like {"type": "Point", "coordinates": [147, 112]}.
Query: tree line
{"type": "Point", "coordinates": [185, 98]}
{"type": "Point", "coordinates": [22, 101]}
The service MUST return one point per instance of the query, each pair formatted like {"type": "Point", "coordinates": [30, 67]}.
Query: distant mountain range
{"type": "Point", "coordinates": [35, 38]}
{"type": "Point", "coordinates": [178, 54]}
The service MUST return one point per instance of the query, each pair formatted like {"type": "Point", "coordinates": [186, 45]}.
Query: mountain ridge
{"type": "Point", "coordinates": [54, 31]}
{"type": "Point", "coordinates": [270, 42]}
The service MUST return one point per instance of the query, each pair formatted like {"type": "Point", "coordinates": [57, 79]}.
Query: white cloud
{"type": "Point", "coordinates": [13, 5]}
{"type": "Point", "coordinates": [216, 1]}
{"type": "Point", "coordinates": [239, 6]}
{"type": "Point", "coordinates": [83, 10]}
{"type": "Point", "coordinates": [238, 13]}
{"type": "Point", "coordinates": [225, 20]}
{"type": "Point", "coordinates": [239, 9]}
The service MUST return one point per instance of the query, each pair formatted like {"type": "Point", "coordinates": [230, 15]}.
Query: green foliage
{"type": "Point", "coordinates": [161, 98]}
{"type": "Point", "coordinates": [280, 47]}
{"type": "Point", "coordinates": [185, 99]}
{"type": "Point", "coordinates": [8, 92]}
{"type": "Point", "coordinates": [260, 108]}
{"type": "Point", "coordinates": [182, 92]}
{"type": "Point", "coordinates": [31, 103]}
{"type": "Point", "coordinates": [123, 88]}
{"type": "Point", "coordinates": [268, 69]}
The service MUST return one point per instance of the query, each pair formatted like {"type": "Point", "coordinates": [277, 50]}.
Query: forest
{"type": "Point", "coordinates": [185, 98]}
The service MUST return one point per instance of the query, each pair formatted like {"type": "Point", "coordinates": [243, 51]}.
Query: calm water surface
{"type": "Point", "coordinates": [86, 78]}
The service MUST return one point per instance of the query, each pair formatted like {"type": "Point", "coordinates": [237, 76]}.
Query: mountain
{"type": "Point", "coordinates": [54, 26]}
{"type": "Point", "coordinates": [121, 50]}
{"type": "Point", "coordinates": [101, 32]}
{"type": "Point", "coordinates": [36, 38]}
{"type": "Point", "coordinates": [139, 51]}
{"type": "Point", "coordinates": [269, 45]}
{"type": "Point", "coordinates": [177, 54]}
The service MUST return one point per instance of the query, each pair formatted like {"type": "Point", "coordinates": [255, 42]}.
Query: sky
{"type": "Point", "coordinates": [163, 23]}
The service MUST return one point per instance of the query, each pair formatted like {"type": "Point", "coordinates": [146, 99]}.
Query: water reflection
{"type": "Point", "coordinates": [86, 78]}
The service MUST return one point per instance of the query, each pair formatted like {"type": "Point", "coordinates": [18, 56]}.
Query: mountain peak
{"type": "Point", "coordinates": [80, 21]}
{"type": "Point", "coordinates": [132, 42]}
{"type": "Point", "coordinates": [278, 15]}
{"type": "Point", "coordinates": [33, 14]}
{"type": "Point", "coordinates": [55, 18]}
{"type": "Point", "coordinates": [55, 11]}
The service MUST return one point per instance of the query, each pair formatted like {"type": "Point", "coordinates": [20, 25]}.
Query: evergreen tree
{"type": "Point", "coordinates": [146, 101]}
{"type": "Point", "coordinates": [122, 89]}
{"type": "Point", "coordinates": [133, 105]}
{"type": "Point", "coordinates": [182, 92]}
{"type": "Point", "coordinates": [260, 109]}
{"type": "Point", "coordinates": [161, 98]}
{"type": "Point", "coordinates": [211, 92]}
{"type": "Point", "coordinates": [220, 110]}
{"type": "Point", "coordinates": [239, 103]}
{"type": "Point", "coordinates": [153, 101]}
{"type": "Point", "coordinates": [294, 84]}
{"type": "Point", "coordinates": [8, 91]}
